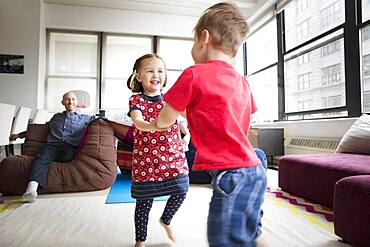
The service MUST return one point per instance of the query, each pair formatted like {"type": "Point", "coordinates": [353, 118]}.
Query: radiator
{"type": "Point", "coordinates": [308, 145]}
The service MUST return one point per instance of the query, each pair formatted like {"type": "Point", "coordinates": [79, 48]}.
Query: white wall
{"type": "Point", "coordinates": [23, 26]}
{"type": "Point", "coordinates": [20, 35]}
{"type": "Point", "coordinates": [42, 59]}
{"type": "Point", "coordinates": [117, 21]}
{"type": "Point", "coordinates": [22, 31]}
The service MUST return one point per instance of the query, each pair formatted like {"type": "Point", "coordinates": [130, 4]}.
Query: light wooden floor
{"type": "Point", "coordinates": [83, 219]}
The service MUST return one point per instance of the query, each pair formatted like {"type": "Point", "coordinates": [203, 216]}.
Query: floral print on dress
{"type": "Point", "coordinates": [157, 156]}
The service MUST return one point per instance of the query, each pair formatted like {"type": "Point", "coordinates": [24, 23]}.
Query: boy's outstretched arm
{"type": "Point", "coordinates": [141, 124]}
{"type": "Point", "coordinates": [167, 117]}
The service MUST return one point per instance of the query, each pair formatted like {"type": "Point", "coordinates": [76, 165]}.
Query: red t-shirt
{"type": "Point", "coordinates": [218, 103]}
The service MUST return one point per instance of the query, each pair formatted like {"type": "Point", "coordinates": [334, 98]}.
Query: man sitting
{"type": "Point", "coordinates": [65, 133]}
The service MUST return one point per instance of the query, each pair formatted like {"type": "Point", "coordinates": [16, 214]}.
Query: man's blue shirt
{"type": "Point", "coordinates": [68, 128]}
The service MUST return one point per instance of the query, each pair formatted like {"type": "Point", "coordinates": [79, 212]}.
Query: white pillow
{"type": "Point", "coordinates": [357, 138]}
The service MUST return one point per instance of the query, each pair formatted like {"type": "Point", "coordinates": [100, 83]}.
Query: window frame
{"type": "Point", "coordinates": [104, 77]}
{"type": "Point", "coordinates": [47, 61]}
{"type": "Point", "coordinates": [101, 55]}
{"type": "Point", "coordinates": [266, 67]}
{"type": "Point", "coordinates": [351, 63]}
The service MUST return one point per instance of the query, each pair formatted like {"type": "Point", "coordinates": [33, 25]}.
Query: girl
{"type": "Point", "coordinates": [159, 165]}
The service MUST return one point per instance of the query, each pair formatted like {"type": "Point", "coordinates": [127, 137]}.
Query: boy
{"type": "Point", "coordinates": [219, 104]}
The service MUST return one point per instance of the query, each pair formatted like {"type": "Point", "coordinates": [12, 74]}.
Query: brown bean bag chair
{"type": "Point", "coordinates": [93, 168]}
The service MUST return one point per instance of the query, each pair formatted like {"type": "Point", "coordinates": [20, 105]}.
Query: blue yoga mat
{"type": "Point", "coordinates": [120, 191]}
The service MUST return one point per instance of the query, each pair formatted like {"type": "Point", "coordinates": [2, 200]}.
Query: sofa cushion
{"type": "Point", "coordinates": [313, 176]}
{"type": "Point", "coordinates": [94, 166]}
{"type": "Point", "coordinates": [351, 209]}
{"type": "Point", "coordinates": [36, 137]}
{"type": "Point", "coordinates": [356, 139]}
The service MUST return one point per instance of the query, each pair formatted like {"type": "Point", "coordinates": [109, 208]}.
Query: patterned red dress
{"type": "Point", "coordinates": [159, 165]}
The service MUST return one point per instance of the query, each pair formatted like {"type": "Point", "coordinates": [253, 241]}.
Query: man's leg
{"type": "Point", "coordinates": [49, 153]}
{"type": "Point", "coordinates": [39, 170]}
{"type": "Point", "coordinates": [66, 153]}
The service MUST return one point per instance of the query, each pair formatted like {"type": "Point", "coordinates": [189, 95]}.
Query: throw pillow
{"type": "Point", "coordinates": [357, 138]}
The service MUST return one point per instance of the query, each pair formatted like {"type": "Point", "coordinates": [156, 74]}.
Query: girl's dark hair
{"type": "Point", "coordinates": [132, 83]}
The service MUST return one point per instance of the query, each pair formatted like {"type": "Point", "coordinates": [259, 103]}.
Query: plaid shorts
{"type": "Point", "coordinates": [234, 218]}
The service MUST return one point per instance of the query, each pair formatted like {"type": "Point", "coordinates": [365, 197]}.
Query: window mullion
{"type": "Point", "coordinates": [280, 64]}
{"type": "Point", "coordinates": [352, 60]}
{"type": "Point", "coordinates": [100, 70]}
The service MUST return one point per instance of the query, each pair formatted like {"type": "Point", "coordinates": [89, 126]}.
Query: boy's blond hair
{"type": "Point", "coordinates": [226, 24]}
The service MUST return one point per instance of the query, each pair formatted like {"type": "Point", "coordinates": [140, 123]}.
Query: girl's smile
{"type": "Point", "coordinates": [152, 76]}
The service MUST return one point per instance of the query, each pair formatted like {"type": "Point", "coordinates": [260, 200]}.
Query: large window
{"type": "Point", "coordinates": [262, 48]}
{"type": "Point", "coordinates": [264, 87]}
{"type": "Point", "coordinates": [323, 68]}
{"type": "Point", "coordinates": [262, 71]}
{"type": "Point", "coordinates": [313, 73]}
{"type": "Point", "coordinates": [73, 65]}
{"type": "Point", "coordinates": [365, 10]}
{"type": "Point", "coordinates": [314, 65]}
{"type": "Point", "coordinates": [177, 55]}
{"type": "Point", "coordinates": [119, 55]}
{"type": "Point", "coordinates": [365, 68]}
{"type": "Point", "coordinates": [76, 63]}
{"type": "Point", "coordinates": [304, 21]}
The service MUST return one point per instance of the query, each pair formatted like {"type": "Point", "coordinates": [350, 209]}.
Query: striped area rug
{"type": "Point", "coordinates": [312, 212]}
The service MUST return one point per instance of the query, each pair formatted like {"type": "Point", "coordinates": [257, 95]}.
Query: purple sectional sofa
{"type": "Point", "coordinates": [340, 181]}
{"type": "Point", "coordinates": [352, 209]}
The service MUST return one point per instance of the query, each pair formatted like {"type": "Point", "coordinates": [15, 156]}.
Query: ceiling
{"type": "Point", "coordinates": [175, 7]}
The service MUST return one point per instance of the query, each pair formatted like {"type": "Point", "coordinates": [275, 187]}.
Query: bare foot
{"type": "Point", "coordinates": [168, 231]}
{"type": "Point", "coordinates": [140, 244]}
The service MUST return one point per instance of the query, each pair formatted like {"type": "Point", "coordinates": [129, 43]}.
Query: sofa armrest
{"type": "Point", "coordinates": [97, 136]}
{"type": "Point", "coordinates": [351, 209]}
{"type": "Point", "coordinates": [36, 137]}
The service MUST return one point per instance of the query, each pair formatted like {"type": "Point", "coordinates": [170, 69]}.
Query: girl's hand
{"type": "Point", "coordinates": [155, 127]}
{"type": "Point", "coordinates": [143, 125]}
{"type": "Point", "coordinates": [185, 142]}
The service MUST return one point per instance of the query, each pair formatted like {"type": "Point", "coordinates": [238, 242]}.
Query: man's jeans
{"type": "Point", "coordinates": [50, 152]}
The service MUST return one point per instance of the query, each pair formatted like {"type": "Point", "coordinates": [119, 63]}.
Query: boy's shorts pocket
{"type": "Point", "coordinates": [228, 180]}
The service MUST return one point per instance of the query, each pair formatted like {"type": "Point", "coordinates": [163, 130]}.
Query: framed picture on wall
{"type": "Point", "coordinates": [13, 64]}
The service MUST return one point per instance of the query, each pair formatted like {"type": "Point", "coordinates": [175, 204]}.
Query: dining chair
{"type": "Point", "coordinates": [20, 124]}
{"type": "Point", "coordinates": [41, 116]}
{"type": "Point", "coordinates": [6, 119]}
